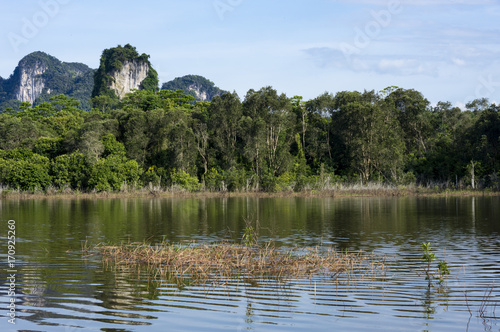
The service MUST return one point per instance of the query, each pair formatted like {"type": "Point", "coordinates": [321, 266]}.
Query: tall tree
{"type": "Point", "coordinates": [410, 107]}
{"type": "Point", "coordinates": [370, 135]}
{"type": "Point", "coordinates": [268, 124]}
{"type": "Point", "coordinates": [318, 139]}
{"type": "Point", "coordinates": [181, 151]}
{"type": "Point", "coordinates": [485, 139]}
{"type": "Point", "coordinates": [224, 125]}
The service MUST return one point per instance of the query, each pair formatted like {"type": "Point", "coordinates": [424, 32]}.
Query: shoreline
{"type": "Point", "coordinates": [334, 193]}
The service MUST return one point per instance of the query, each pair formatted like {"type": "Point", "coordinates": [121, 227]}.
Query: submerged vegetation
{"type": "Point", "coordinates": [203, 262]}
{"type": "Point", "coordinates": [250, 259]}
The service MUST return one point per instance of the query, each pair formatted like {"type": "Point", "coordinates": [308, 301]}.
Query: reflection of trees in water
{"type": "Point", "coordinates": [433, 298]}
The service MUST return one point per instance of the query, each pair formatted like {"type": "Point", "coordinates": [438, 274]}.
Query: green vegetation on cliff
{"type": "Point", "coordinates": [112, 60]}
{"type": "Point", "coordinates": [71, 79]}
{"type": "Point", "coordinates": [197, 86]}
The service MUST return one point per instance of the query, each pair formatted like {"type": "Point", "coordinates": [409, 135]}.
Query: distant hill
{"type": "Point", "coordinates": [197, 86]}
{"type": "Point", "coordinates": [121, 70]}
{"type": "Point", "coordinates": [40, 76]}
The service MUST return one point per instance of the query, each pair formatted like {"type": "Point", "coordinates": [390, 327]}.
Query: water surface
{"type": "Point", "coordinates": [61, 289]}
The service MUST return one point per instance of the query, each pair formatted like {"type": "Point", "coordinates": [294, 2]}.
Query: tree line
{"type": "Point", "coordinates": [263, 142]}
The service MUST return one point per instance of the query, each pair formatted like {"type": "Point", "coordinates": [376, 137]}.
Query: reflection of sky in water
{"type": "Point", "coordinates": [59, 289]}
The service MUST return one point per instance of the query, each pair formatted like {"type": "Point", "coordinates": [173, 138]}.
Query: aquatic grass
{"type": "Point", "coordinates": [202, 262]}
{"type": "Point", "coordinates": [488, 302]}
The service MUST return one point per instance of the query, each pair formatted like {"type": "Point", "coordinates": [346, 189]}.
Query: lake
{"type": "Point", "coordinates": [60, 288]}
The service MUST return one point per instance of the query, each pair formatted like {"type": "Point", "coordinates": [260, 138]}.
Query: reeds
{"type": "Point", "coordinates": [226, 260]}
{"type": "Point", "coordinates": [337, 190]}
{"type": "Point", "coordinates": [488, 303]}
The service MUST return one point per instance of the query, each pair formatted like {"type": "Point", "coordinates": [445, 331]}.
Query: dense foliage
{"type": "Point", "coordinates": [267, 141]}
{"type": "Point", "coordinates": [194, 85]}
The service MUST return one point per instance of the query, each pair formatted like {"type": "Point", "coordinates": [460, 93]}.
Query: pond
{"type": "Point", "coordinates": [60, 288]}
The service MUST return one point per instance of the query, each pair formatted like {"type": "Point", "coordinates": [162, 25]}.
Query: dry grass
{"type": "Point", "coordinates": [203, 262]}
{"type": "Point", "coordinates": [333, 190]}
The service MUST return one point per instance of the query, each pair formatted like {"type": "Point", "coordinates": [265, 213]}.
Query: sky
{"type": "Point", "coordinates": [448, 50]}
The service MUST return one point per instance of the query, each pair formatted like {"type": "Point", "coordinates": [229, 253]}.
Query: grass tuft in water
{"type": "Point", "coordinates": [226, 260]}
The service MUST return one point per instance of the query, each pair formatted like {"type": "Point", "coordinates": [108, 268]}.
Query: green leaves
{"type": "Point", "coordinates": [112, 60]}
{"type": "Point", "coordinates": [428, 256]}
{"type": "Point", "coordinates": [48, 147]}
{"type": "Point", "coordinates": [267, 131]}
{"type": "Point", "coordinates": [197, 86]}
{"type": "Point", "coordinates": [70, 171]}
{"type": "Point", "coordinates": [111, 173]}
{"type": "Point", "coordinates": [442, 267]}
{"type": "Point", "coordinates": [22, 169]}
{"type": "Point", "coordinates": [112, 146]}
{"type": "Point", "coordinates": [267, 142]}
{"type": "Point", "coordinates": [224, 123]}
{"type": "Point", "coordinates": [370, 135]}
{"type": "Point", "coordinates": [183, 179]}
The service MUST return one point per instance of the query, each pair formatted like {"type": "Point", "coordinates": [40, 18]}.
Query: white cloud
{"type": "Point", "coordinates": [383, 64]}
{"type": "Point", "coordinates": [460, 105]}
{"type": "Point", "coordinates": [458, 62]}
{"type": "Point", "coordinates": [398, 66]}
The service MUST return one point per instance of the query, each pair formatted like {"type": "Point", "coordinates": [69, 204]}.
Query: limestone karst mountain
{"type": "Point", "coordinates": [122, 70]}
{"type": "Point", "coordinates": [40, 76]}
{"type": "Point", "coordinates": [197, 86]}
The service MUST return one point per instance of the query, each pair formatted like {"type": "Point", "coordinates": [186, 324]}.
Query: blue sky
{"type": "Point", "coordinates": [448, 50]}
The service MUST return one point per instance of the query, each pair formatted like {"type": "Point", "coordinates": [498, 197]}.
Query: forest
{"type": "Point", "coordinates": [264, 141]}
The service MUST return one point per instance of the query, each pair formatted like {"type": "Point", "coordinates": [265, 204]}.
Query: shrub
{"type": "Point", "coordinates": [70, 171]}
{"type": "Point", "coordinates": [151, 176]}
{"type": "Point", "coordinates": [285, 182]}
{"type": "Point", "coordinates": [236, 179]}
{"type": "Point", "coordinates": [214, 180]}
{"type": "Point", "coordinates": [112, 172]}
{"type": "Point", "coordinates": [184, 180]}
{"type": "Point", "coordinates": [25, 173]}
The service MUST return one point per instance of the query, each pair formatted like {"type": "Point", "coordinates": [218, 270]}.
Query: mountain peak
{"type": "Point", "coordinates": [121, 70]}
{"type": "Point", "coordinates": [197, 86]}
{"type": "Point", "coordinates": [40, 76]}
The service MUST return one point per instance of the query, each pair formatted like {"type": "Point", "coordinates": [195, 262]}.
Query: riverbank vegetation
{"type": "Point", "coordinates": [342, 190]}
{"type": "Point", "coordinates": [162, 142]}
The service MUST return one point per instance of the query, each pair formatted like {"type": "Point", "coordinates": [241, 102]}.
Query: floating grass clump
{"type": "Point", "coordinates": [205, 261]}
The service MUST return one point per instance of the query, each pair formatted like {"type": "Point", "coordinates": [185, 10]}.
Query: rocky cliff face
{"type": "Point", "coordinates": [31, 82]}
{"type": "Point", "coordinates": [197, 86]}
{"type": "Point", "coordinates": [39, 76]}
{"type": "Point", "coordinates": [121, 70]}
{"type": "Point", "coordinates": [198, 92]}
{"type": "Point", "coordinates": [129, 77]}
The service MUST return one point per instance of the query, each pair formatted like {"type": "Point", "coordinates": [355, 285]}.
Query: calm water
{"type": "Point", "coordinates": [59, 289]}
